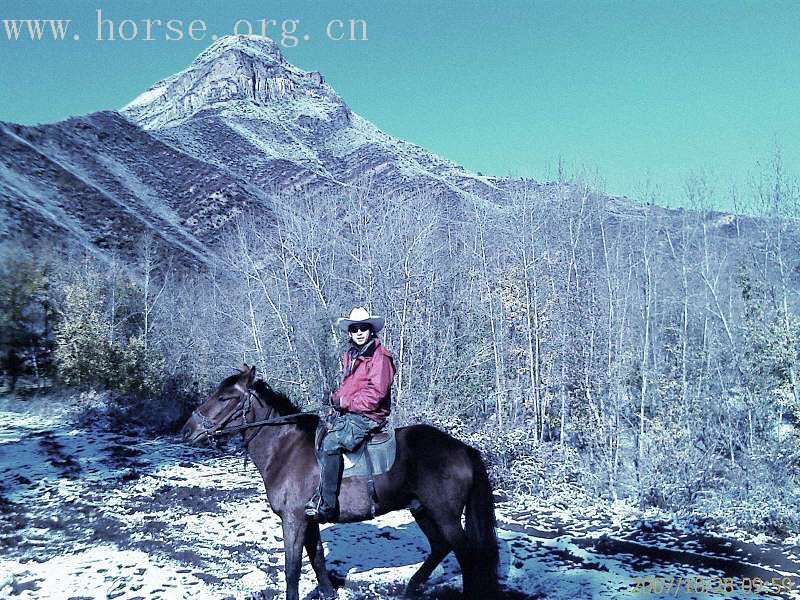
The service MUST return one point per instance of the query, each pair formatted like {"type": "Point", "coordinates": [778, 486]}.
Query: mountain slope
{"type": "Point", "coordinates": [226, 135]}
{"type": "Point", "coordinates": [103, 181]}
{"type": "Point", "coordinates": [284, 127]}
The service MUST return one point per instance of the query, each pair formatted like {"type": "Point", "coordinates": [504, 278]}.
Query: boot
{"type": "Point", "coordinates": [323, 505]}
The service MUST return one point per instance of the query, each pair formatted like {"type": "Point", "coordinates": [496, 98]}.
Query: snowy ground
{"type": "Point", "coordinates": [91, 514]}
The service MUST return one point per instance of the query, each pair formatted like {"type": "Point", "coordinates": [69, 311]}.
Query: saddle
{"type": "Point", "coordinates": [373, 457]}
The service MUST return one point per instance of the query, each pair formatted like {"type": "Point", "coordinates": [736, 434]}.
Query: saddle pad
{"type": "Point", "coordinates": [382, 450]}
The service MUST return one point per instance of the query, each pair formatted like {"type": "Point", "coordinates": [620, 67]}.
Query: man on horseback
{"type": "Point", "coordinates": [360, 406]}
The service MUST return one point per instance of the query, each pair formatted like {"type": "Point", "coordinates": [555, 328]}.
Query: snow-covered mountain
{"type": "Point", "coordinates": [227, 134]}
{"type": "Point", "coordinates": [241, 106]}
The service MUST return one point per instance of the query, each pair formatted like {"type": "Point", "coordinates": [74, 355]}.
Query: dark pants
{"type": "Point", "coordinates": [346, 433]}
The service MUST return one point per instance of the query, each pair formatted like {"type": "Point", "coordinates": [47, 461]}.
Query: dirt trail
{"type": "Point", "coordinates": [92, 514]}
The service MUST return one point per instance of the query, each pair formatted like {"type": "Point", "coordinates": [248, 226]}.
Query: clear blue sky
{"type": "Point", "coordinates": [637, 92]}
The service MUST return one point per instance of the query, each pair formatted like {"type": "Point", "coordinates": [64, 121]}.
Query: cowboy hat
{"type": "Point", "coordinates": [360, 315]}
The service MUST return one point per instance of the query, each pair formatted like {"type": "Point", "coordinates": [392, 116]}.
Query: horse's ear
{"type": "Point", "coordinates": [246, 378]}
{"type": "Point", "coordinates": [244, 368]}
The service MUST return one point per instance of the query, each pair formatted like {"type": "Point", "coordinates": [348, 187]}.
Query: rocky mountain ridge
{"type": "Point", "coordinates": [239, 127]}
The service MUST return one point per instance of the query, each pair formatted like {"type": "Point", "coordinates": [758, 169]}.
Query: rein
{"type": "Point", "coordinates": [282, 420]}
{"type": "Point", "coordinates": [245, 405]}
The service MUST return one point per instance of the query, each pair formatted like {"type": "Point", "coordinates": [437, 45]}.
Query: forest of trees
{"type": "Point", "coordinates": [633, 351]}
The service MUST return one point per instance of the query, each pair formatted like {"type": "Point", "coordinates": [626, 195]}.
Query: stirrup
{"type": "Point", "coordinates": [323, 515]}
{"type": "Point", "coordinates": [317, 511]}
{"type": "Point", "coordinates": [314, 503]}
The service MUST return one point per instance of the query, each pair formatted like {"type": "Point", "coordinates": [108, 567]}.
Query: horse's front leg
{"type": "Point", "coordinates": [294, 531]}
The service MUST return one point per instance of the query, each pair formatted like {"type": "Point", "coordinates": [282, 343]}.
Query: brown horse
{"type": "Point", "coordinates": [442, 474]}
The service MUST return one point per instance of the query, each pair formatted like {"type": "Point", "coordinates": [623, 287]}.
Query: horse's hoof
{"type": "Point", "coordinates": [328, 593]}
{"type": "Point", "coordinates": [336, 580]}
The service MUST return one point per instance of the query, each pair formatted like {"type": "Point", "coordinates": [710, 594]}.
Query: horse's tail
{"type": "Point", "coordinates": [480, 528]}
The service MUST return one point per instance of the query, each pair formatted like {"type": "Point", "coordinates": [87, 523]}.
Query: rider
{"type": "Point", "coordinates": [360, 405]}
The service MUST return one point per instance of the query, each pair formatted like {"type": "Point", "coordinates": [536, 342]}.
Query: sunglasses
{"type": "Point", "coordinates": [355, 328]}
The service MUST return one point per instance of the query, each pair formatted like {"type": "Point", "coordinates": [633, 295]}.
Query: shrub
{"type": "Point", "coordinates": [88, 355]}
{"type": "Point", "coordinates": [84, 353]}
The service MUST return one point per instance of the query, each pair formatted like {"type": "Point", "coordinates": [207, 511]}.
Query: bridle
{"type": "Point", "coordinates": [243, 408]}
{"type": "Point", "coordinates": [212, 430]}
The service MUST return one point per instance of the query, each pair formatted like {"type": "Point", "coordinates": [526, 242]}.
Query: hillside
{"type": "Point", "coordinates": [236, 128]}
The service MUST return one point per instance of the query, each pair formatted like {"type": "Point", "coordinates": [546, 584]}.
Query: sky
{"type": "Point", "coordinates": [637, 96]}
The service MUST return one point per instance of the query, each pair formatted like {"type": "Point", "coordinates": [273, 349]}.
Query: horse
{"type": "Point", "coordinates": [434, 473]}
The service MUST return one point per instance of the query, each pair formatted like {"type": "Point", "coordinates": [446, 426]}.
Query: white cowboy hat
{"type": "Point", "coordinates": [360, 315]}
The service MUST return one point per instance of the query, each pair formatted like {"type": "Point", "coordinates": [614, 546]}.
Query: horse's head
{"type": "Point", "coordinates": [227, 405]}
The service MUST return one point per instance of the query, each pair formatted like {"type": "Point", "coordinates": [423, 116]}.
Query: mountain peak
{"type": "Point", "coordinates": [255, 46]}
{"type": "Point", "coordinates": [236, 70]}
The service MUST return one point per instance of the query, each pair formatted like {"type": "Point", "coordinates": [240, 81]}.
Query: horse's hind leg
{"type": "Point", "coordinates": [449, 524]}
{"type": "Point", "coordinates": [439, 549]}
{"type": "Point", "coordinates": [316, 555]}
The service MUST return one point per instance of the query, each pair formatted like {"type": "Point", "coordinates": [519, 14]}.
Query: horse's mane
{"type": "Point", "coordinates": [276, 400]}
{"type": "Point", "coordinates": [307, 423]}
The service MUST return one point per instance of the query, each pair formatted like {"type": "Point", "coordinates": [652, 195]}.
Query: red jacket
{"type": "Point", "coordinates": [367, 389]}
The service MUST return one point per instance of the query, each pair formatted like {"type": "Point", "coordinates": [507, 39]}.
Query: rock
{"type": "Point", "coordinates": [6, 580]}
